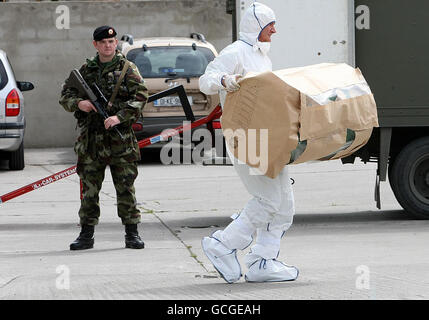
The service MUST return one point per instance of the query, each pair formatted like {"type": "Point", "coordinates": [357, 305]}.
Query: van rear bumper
{"type": "Point", "coordinates": [11, 135]}
{"type": "Point", "coordinates": [12, 125]}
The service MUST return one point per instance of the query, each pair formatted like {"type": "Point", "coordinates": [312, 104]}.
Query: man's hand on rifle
{"type": "Point", "coordinates": [110, 122]}
{"type": "Point", "coordinates": [86, 106]}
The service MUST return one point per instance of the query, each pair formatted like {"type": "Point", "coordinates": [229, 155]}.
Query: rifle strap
{"type": "Point", "coordinates": [118, 84]}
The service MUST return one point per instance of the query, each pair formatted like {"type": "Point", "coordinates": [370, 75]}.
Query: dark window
{"type": "Point", "coordinates": [3, 76]}
{"type": "Point", "coordinates": [164, 62]}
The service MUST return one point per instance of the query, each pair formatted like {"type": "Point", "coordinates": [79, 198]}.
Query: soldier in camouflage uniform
{"type": "Point", "coordinates": [99, 146]}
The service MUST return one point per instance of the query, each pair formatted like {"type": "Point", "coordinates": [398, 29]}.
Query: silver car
{"type": "Point", "coordinates": [165, 62]}
{"type": "Point", "coordinates": [12, 119]}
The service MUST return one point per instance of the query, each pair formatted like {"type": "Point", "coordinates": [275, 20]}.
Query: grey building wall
{"type": "Point", "coordinates": [44, 54]}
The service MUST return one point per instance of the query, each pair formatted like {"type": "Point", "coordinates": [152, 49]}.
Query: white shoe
{"type": "Point", "coordinates": [224, 260]}
{"type": "Point", "coordinates": [270, 270]}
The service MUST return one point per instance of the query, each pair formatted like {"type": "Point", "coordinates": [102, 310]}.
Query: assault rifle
{"type": "Point", "coordinates": [93, 93]}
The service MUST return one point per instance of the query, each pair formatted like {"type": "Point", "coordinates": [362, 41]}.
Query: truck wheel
{"type": "Point", "coordinates": [389, 175]}
{"type": "Point", "coordinates": [409, 178]}
{"type": "Point", "coordinates": [16, 160]}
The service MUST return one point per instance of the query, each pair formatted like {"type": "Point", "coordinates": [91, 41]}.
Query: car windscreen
{"type": "Point", "coordinates": [3, 76]}
{"type": "Point", "coordinates": [165, 62]}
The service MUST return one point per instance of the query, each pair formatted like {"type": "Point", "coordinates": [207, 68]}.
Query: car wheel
{"type": "Point", "coordinates": [409, 178]}
{"type": "Point", "coordinates": [16, 160]}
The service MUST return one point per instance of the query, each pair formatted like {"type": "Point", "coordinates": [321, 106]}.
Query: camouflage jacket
{"type": "Point", "coordinates": [94, 140]}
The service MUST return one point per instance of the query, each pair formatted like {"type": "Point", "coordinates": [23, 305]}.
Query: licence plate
{"type": "Point", "coordinates": [170, 102]}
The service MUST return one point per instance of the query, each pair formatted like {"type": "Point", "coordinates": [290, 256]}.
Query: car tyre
{"type": "Point", "coordinates": [16, 160]}
{"type": "Point", "coordinates": [409, 178]}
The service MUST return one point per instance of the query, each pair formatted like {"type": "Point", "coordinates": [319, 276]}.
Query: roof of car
{"type": "Point", "coordinates": [165, 41]}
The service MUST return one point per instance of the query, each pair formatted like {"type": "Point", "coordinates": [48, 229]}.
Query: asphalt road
{"type": "Point", "coordinates": [344, 247]}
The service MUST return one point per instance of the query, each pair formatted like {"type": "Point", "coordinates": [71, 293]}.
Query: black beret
{"type": "Point", "coordinates": [104, 32]}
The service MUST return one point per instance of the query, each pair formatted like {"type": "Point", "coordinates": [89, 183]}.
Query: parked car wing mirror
{"type": "Point", "coordinates": [128, 38]}
{"type": "Point", "coordinates": [25, 85]}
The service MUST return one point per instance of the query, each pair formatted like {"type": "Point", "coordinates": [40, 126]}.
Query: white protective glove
{"type": "Point", "coordinates": [231, 82]}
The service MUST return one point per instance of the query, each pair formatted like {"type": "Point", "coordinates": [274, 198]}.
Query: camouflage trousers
{"type": "Point", "coordinates": [91, 173]}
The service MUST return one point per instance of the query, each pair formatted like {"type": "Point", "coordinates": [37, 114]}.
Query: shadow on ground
{"type": "Point", "coordinates": [212, 221]}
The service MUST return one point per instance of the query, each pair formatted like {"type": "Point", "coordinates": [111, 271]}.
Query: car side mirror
{"type": "Point", "coordinates": [25, 85]}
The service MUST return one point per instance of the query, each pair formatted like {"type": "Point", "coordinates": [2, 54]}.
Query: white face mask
{"type": "Point", "coordinates": [264, 47]}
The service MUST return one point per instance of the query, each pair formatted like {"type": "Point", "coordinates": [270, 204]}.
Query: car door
{"type": "Point", "coordinates": [3, 94]}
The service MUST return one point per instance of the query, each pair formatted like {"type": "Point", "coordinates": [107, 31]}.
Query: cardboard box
{"type": "Point", "coordinates": [290, 116]}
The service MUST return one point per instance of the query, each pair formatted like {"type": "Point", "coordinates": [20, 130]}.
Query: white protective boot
{"type": "Point", "coordinates": [271, 270]}
{"type": "Point", "coordinates": [224, 260]}
{"type": "Point", "coordinates": [261, 260]}
{"type": "Point", "coordinates": [221, 247]}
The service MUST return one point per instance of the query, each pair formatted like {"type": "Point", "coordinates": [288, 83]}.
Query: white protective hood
{"type": "Point", "coordinates": [242, 56]}
{"type": "Point", "coordinates": [254, 20]}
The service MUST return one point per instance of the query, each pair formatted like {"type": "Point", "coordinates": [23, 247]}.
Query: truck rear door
{"type": "Point", "coordinates": [309, 31]}
{"type": "Point", "coordinates": [393, 56]}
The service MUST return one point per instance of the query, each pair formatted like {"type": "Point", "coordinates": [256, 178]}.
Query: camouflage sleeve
{"type": "Point", "coordinates": [138, 95]}
{"type": "Point", "coordinates": [70, 96]}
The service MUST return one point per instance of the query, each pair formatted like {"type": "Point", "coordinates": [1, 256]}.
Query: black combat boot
{"type": "Point", "coordinates": [132, 238]}
{"type": "Point", "coordinates": [85, 239]}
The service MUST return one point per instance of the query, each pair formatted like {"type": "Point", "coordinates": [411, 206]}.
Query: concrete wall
{"type": "Point", "coordinates": [43, 54]}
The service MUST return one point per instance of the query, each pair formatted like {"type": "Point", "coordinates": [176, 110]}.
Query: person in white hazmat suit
{"type": "Point", "coordinates": [270, 212]}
